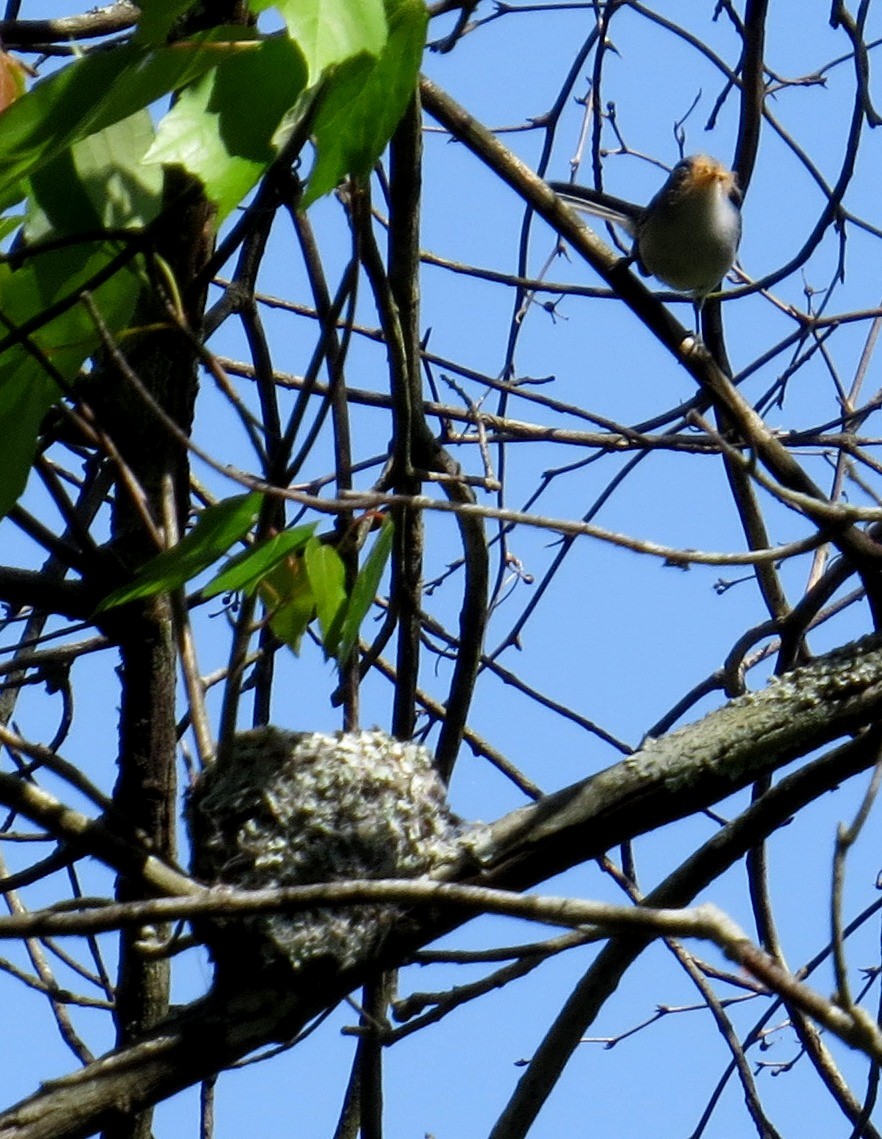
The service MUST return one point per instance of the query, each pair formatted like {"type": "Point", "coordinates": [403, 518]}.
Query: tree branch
{"type": "Point", "coordinates": [668, 778]}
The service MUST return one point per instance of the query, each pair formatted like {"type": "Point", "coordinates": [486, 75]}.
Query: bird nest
{"type": "Point", "coordinates": [289, 809]}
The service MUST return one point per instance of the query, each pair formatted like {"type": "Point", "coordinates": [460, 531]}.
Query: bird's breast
{"type": "Point", "coordinates": [691, 244]}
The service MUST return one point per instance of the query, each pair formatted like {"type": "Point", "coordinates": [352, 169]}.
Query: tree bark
{"type": "Point", "coordinates": [691, 768]}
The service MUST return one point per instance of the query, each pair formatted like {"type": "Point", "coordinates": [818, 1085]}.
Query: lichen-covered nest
{"type": "Point", "coordinates": [290, 808]}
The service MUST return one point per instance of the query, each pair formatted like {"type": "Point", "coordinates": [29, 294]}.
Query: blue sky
{"type": "Point", "coordinates": [618, 636]}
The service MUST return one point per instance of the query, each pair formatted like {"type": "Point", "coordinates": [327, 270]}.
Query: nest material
{"type": "Point", "coordinates": [288, 809]}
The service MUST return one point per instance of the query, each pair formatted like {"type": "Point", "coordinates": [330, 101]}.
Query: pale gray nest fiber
{"type": "Point", "coordinates": [291, 808]}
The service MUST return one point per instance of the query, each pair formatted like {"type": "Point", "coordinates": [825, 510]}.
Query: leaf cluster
{"type": "Point", "coordinates": [82, 179]}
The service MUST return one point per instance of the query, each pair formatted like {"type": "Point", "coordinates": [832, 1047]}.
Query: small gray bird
{"type": "Point", "coordinates": [688, 235]}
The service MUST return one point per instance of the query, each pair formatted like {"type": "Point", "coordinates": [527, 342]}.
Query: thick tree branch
{"type": "Point", "coordinates": [692, 767]}
{"type": "Point", "coordinates": [667, 779]}
{"type": "Point", "coordinates": [111, 19]}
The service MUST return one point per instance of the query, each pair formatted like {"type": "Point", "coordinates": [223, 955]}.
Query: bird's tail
{"type": "Point", "coordinates": [599, 204]}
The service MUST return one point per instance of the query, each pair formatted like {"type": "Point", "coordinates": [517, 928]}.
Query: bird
{"type": "Point", "coordinates": [687, 236]}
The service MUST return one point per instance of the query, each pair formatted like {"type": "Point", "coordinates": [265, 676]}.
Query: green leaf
{"type": "Point", "coordinates": [287, 594]}
{"type": "Point", "coordinates": [330, 31]}
{"type": "Point", "coordinates": [27, 384]}
{"type": "Point", "coordinates": [327, 577]}
{"type": "Point", "coordinates": [25, 397]}
{"type": "Point", "coordinates": [54, 277]}
{"type": "Point", "coordinates": [246, 569]}
{"type": "Point", "coordinates": [10, 224]}
{"type": "Point", "coordinates": [222, 127]}
{"type": "Point", "coordinates": [216, 529]}
{"type": "Point", "coordinates": [158, 17]}
{"type": "Point", "coordinates": [365, 99]}
{"type": "Point", "coordinates": [94, 92]}
{"type": "Point", "coordinates": [365, 589]}
{"type": "Point", "coordinates": [98, 182]}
